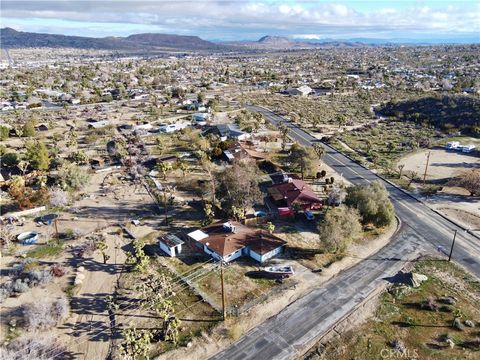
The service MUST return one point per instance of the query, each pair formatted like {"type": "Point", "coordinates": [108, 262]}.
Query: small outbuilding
{"type": "Point", "coordinates": [171, 245]}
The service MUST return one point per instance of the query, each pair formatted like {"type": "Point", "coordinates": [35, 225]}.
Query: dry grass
{"type": "Point", "coordinates": [422, 331]}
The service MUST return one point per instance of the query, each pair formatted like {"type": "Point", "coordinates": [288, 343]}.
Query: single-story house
{"type": "Point", "coordinates": [42, 127]}
{"type": "Point", "coordinates": [99, 124]}
{"type": "Point", "coordinates": [281, 177]}
{"type": "Point", "coordinates": [294, 192]}
{"type": "Point", "coordinates": [97, 162]}
{"type": "Point", "coordinates": [230, 240]}
{"type": "Point", "coordinates": [171, 244]}
{"type": "Point", "coordinates": [201, 118]}
{"type": "Point", "coordinates": [239, 151]}
{"type": "Point", "coordinates": [230, 131]}
{"type": "Point", "coordinates": [169, 128]}
{"type": "Point", "coordinates": [303, 90]}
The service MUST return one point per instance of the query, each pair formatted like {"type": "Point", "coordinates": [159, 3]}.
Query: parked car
{"type": "Point", "coordinates": [309, 215]}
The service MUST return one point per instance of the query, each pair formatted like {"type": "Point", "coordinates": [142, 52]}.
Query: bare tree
{"type": "Point", "coordinates": [469, 180]}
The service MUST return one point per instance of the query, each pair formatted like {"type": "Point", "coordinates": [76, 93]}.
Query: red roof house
{"type": "Point", "coordinates": [294, 192]}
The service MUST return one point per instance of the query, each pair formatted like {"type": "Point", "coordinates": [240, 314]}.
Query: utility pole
{"type": "Point", "coordinates": [56, 227]}
{"type": "Point", "coordinates": [453, 244]}
{"type": "Point", "coordinates": [165, 205]}
{"type": "Point", "coordinates": [223, 291]}
{"type": "Point", "coordinates": [426, 167]}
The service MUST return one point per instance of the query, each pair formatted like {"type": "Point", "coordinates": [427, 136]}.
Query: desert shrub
{"type": "Point", "coordinates": [235, 332]}
{"type": "Point", "coordinates": [39, 277]}
{"type": "Point", "coordinates": [26, 198]}
{"type": "Point", "coordinates": [45, 314]}
{"type": "Point", "coordinates": [72, 177]}
{"type": "Point", "coordinates": [59, 197]}
{"type": "Point", "coordinates": [6, 290]}
{"type": "Point", "coordinates": [60, 309]}
{"type": "Point", "coordinates": [87, 248]}
{"type": "Point", "coordinates": [34, 348]}
{"type": "Point", "coordinates": [20, 285]}
{"type": "Point", "coordinates": [57, 270]}
{"type": "Point", "coordinates": [4, 133]}
{"type": "Point", "coordinates": [10, 159]}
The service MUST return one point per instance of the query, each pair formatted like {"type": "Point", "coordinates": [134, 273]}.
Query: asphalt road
{"type": "Point", "coordinates": [422, 231]}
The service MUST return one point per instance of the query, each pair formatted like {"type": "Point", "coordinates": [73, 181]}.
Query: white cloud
{"type": "Point", "coordinates": [228, 18]}
{"type": "Point", "coordinates": [307, 36]}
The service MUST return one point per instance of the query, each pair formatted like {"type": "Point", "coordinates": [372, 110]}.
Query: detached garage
{"type": "Point", "coordinates": [265, 247]}
{"type": "Point", "coordinates": [171, 245]}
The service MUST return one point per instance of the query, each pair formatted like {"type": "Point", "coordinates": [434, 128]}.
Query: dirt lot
{"type": "Point", "coordinates": [442, 165]}
{"type": "Point", "coordinates": [453, 202]}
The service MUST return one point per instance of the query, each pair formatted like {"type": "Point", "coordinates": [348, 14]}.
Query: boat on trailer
{"type": "Point", "coordinates": [285, 270]}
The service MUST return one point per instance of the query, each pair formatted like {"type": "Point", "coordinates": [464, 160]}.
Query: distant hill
{"type": "Point", "coordinates": [11, 38]}
{"type": "Point", "coordinates": [448, 113]}
{"type": "Point", "coordinates": [172, 41]}
{"type": "Point", "coordinates": [281, 42]}
{"type": "Point", "coordinates": [274, 40]}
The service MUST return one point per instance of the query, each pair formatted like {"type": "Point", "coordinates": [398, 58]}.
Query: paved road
{"type": "Point", "coordinates": [422, 231]}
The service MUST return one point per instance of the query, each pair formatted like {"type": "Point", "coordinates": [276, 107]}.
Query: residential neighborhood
{"type": "Point", "coordinates": [178, 184]}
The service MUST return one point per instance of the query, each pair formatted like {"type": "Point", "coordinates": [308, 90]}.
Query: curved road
{"type": "Point", "coordinates": [422, 231]}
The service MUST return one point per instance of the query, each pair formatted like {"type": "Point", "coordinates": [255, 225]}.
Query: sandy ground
{"type": "Point", "coordinates": [206, 346]}
{"type": "Point", "coordinates": [86, 331]}
{"type": "Point", "coordinates": [463, 209]}
{"type": "Point", "coordinates": [453, 202]}
{"type": "Point", "coordinates": [442, 165]}
{"type": "Point", "coordinates": [89, 328]}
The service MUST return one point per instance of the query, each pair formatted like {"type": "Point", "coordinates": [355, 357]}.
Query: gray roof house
{"type": "Point", "coordinates": [230, 131]}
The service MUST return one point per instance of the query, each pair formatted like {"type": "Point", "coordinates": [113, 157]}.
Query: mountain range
{"type": "Point", "coordinates": [10, 38]}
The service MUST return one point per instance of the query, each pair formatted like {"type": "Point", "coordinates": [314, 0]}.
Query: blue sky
{"type": "Point", "coordinates": [451, 21]}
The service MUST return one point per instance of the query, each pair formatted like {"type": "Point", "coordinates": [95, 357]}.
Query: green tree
{"type": "Point", "coordinates": [213, 104]}
{"type": "Point", "coordinates": [284, 135]}
{"type": "Point", "coordinates": [303, 158]}
{"type": "Point", "coordinates": [138, 258]}
{"type": "Point", "coordinates": [270, 227]}
{"type": "Point", "coordinates": [319, 150]}
{"type": "Point", "coordinates": [28, 129]}
{"type": "Point", "coordinates": [9, 159]}
{"type": "Point", "coordinates": [339, 228]}
{"type": "Point", "coordinates": [372, 202]}
{"type": "Point", "coordinates": [164, 167]}
{"type": "Point", "coordinates": [136, 344]}
{"type": "Point", "coordinates": [79, 157]}
{"type": "Point", "coordinates": [183, 166]}
{"type": "Point", "coordinates": [4, 133]}
{"type": "Point", "coordinates": [37, 155]}
{"type": "Point", "coordinates": [201, 97]}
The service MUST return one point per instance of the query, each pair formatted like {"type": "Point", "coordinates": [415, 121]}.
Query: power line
{"type": "Point", "coordinates": [100, 328]}
{"type": "Point", "coordinates": [183, 285]}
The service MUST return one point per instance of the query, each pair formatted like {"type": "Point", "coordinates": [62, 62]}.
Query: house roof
{"type": "Point", "coordinates": [295, 191]}
{"type": "Point", "coordinates": [231, 130]}
{"type": "Point", "coordinates": [171, 240]}
{"type": "Point", "coordinates": [198, 235]}
{"type": "Point", "coordinates": [225, 242]}
{"type": "Point", "coordinates": [99, 124]}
